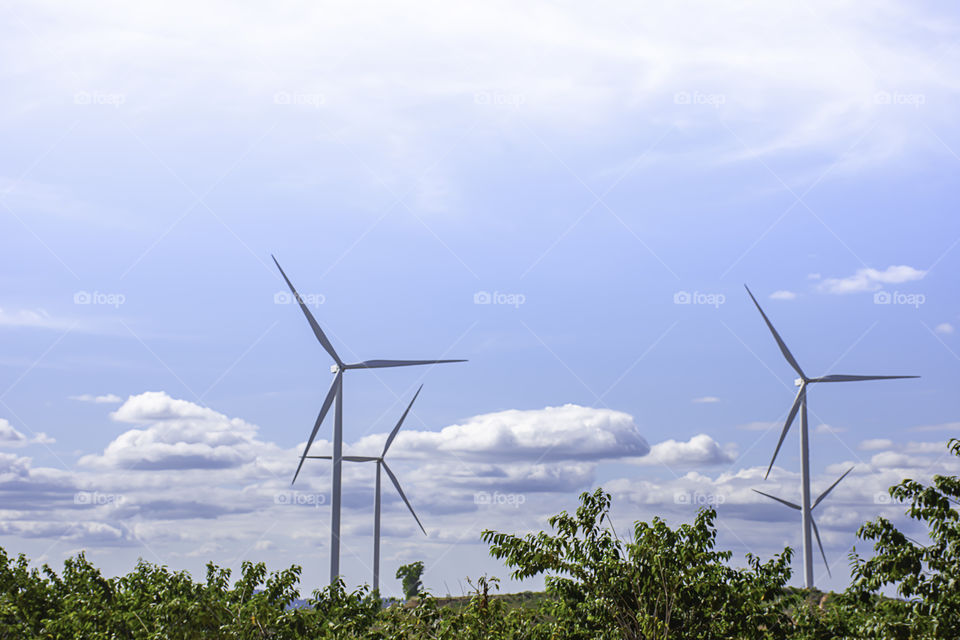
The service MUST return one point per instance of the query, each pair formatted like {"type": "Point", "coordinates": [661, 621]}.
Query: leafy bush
{"type": "Point", "coordinates": [663, 583]}
{"type": "Point", "coordinates": [410, 575]}
{"type": "Point", "coordinates": [927, 576]}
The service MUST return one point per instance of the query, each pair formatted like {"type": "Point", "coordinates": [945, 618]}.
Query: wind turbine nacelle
{"type": "Point", "coordinates": [334, 368]}
{"type": "Point", "coordinates": [798, 382]}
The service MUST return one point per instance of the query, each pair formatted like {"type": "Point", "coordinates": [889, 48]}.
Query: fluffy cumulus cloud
{"type": "Point", "coordinates": [700, 450]}
{"type": "Point", "coordinates": [176, 435]}
{"type": "Point", "coordinates": [10, 437]}
{"type": "Point", "coordinates": [871, 279]}
{"type": "Point", "coordinates": [570, 432]}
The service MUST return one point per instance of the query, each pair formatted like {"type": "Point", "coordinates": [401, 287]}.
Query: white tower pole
{"type": "Point", "coordinates": [806, 514]}
{"type": "Point", "coordinates": [335, 499]}
{"type": "Point", "coordinates": [376, 533]}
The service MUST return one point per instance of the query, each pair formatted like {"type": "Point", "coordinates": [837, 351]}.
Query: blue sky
{"type": "Point", "coordinates": [586, 169]}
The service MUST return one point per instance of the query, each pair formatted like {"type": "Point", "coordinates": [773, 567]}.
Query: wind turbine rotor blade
{"type": "Point", "coordinates": [786, 427]}
{"type": "Point", "coordinates": [396, 483]}
{"type": "Point", "coordinates": [780, 500]}
{"type": "Point", "coordinates": [825, 493]}
{"type": "Point", "coordinates": [316, 426]}
{"type": "Point", "coordinates": [317, 331]}
{"type": "Point", "coordinates": [360, 458]}
{"type": "Point", "coordinates": [396, 429]}
{"type": "Point", "coordinates": [776, 336]}
{"type": "Point", "coordinates": [843, 378]}
{"type": "Point", "coordinates": [816, 532]}
{"type": "Point", "coordinates": [319, 457]}
{"type": "Point", "coordinates": [382, 364]}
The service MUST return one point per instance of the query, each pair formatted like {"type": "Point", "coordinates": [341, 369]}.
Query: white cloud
{"type": "Point", "coordinates": [944, 328]}
{"type": "Point", "coordinates": [706, 400]}
{"type": "Point", "coordinates": [108, 398]}
{"type": "Point", "coordinates": [605, 66]}
{"type": "Point", "coordinates": [570, 432]}
{"type": "Point", "coordinates": [876, 444]}
{"type": "Point", "coordinates": [783, 294]}
{"type": "Point", "coordinates": [813, 276]}
{"type": "Point", "coordinates": [826, 428]}
{"type": "Point", "coordinates": [35, 319]}
{"type": "Point", "coordinates": [871, 279]}
{"type": "Point", "coordinates": [10, 437]}
{"type": "Point", "coordinates": [945, 426]}
{"type": "Point", "coordinates": [700, 450]}
{"type": "Point", "coordinates": [178, 435]}
{"type": "Point", "coordinates": [41, 319]}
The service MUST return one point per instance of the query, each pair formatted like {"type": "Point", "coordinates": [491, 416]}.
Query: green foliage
{"type": "Point", "coordinates": [659, 583]}
{"type": "Point", "coordinates": [662, 583]}
{"type": "Point", "coordinates": [410, 574]}
{"type": "Point", "coordinates": [926, 576]}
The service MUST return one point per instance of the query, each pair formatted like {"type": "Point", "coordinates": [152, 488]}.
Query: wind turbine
{"type": "Point", "coordinates": [381, 463]}
{"type": "Point", "coordinates": [336, 392]}
{"type": "Point", "coordinates": [813, 523]}
{"type": "Point", "coordinates": [800, 406]}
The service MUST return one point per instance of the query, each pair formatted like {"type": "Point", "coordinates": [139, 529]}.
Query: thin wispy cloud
{"type": "Point", "coordinates": [871, 279]}
{"type": "Point", "coordinates": [783, 294]}
{"type": "Point", "coordinates": [108, 398]}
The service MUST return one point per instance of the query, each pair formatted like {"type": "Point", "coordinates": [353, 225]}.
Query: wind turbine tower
{"type": "Point", "coordinates": [336, 393]}
{"type": "Point", "coordinates": [800, 406]}
{"type": "Point", "coordinates": [382, 464]}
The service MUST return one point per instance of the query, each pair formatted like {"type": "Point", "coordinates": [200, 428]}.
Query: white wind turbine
{"type": "Point", "coordinates": [336, 392]}
{"type": "Point", "coordinates": [813, 523]}
{"type": "Point", "coordinates": [800, 406]}
{"type": "Point", "coordinates": [381, 463]}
